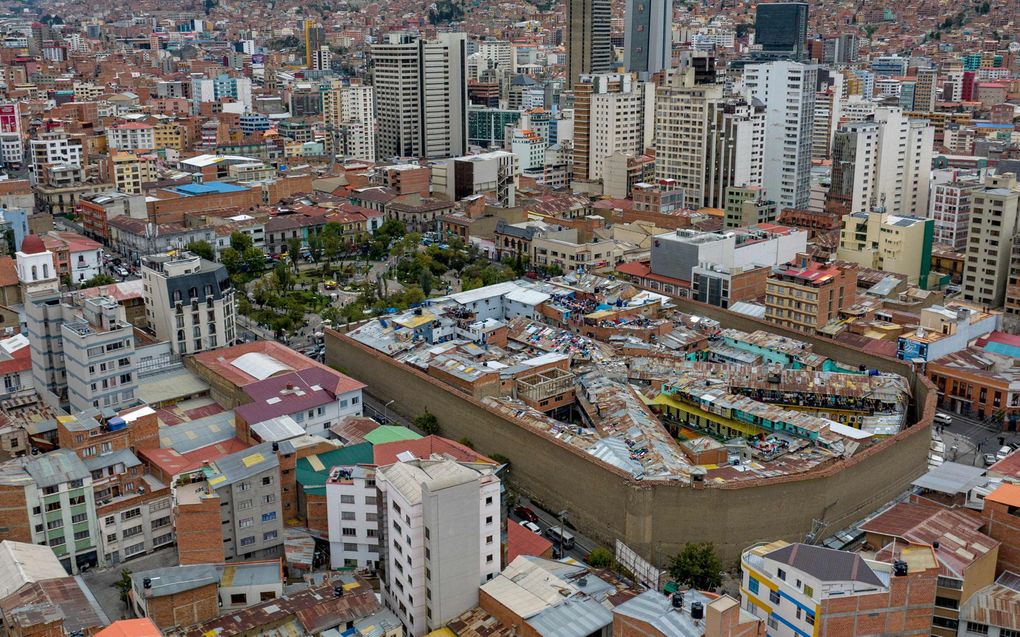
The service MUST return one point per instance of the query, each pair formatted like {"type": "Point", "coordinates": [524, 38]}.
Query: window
{"type": "Point", "coordinates": [55, 524]}
{"type": "Point", "coordinates": [488, 500]}
{"type": "Point", "coordinates": [349, 532]}
{"type": "Point", "coordinates": [976, 628]}
{"type": "Point", "coordinates": [162, 539]}
{"type": "Point", "coordinates": [945, 622]}
{"type": "Point", "coordinates": [248, 541]}
{"type": "Point", "coordinates": [266, 481]}
{"type": "Point", "coordinates": [239, 599]}
{"type": "Point", "coordinates": [269, 535]}
{"type": "Point", "coordinates": [133, 513]}
{"type": "Point", "coordinates": [809, 591]}
{"type": "Point", "coordinates": [269, 517]}
{"type": "Point", "coordinates": [810, 618]}
{"type": "Point", "coordinates": [347, 515]}
{"type": "Point", "coordinates": [244, 486]}
{"type": "Point", "coordinates": [752, 585]}
{"type": "Point", "coordinates": [244, 504]}
{"type": "Point", "coordinates": [81, 535]}
{"type": "Point", "coordinates": [774, 597]}
{"type": "Point", "coordinates": [161, 522]}
{"type": "Point", "coordinates": [266, 596]}
{"type": "Point", "coordinates": [133, 531]}
{"type": "Point", "coordinates": [57, 541]}
{"type": "Point", "coordinates": [781, 574]}
{"type": "Point", "coordinates": [77, 484]}
{"type": "Point", "coordinates": [269, 499]}
{"type": "Point", "coordinates": [246, 523]}
{"type": "Point", "coordinates": [947, 602]}
{"type": "Point", "coordinates": [79, 517]}
{"type": "Point", "coordinates": [488, 519]}
{"type": "Point", "coordinates": [347, 499]}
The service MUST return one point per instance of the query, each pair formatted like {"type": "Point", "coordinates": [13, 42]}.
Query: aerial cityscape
{"type": "Point", "coordinates": [533, 318]}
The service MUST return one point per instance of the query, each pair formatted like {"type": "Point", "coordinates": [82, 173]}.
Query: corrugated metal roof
{"type": "Point", "coordinates": [174, 579]}
{"type": "Point", "coordinates": [951, 478]}
{"type": "Point", "coordinates": [21, 563]}
{"type": "Point", "coordinates": [241, 465]}
{"type": "Point", "coordinates": [56, 467]}
{"type": "Point", "coordinates": [572, 618]}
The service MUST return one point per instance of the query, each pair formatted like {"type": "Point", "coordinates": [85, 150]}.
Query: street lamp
{"type": "Point", "coordinates": [559, 536]}
{"type": "Point", "coordinates": [384, 408]}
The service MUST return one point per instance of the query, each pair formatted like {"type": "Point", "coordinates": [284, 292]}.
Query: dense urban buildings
{"type": "Point", "coordinates": [402, 320]}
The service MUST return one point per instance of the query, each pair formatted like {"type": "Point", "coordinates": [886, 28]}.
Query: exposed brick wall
{"type": "Point", "coordinates": [185, 608]}
{"type": "Point", "coordinates": [606, 503]}
{"type": "Point", "coordinates": [904, 610]}
{"type": "Point", "coordinates": [199, 538]}
{"type": "Point", "coordinates": [14, 515]}
{"type": "Point", "coordinates": [317, 521]}
{"type": "Point", "coordinates": [1002, 526]}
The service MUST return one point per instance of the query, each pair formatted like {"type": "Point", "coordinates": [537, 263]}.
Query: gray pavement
{"type": "Point", "coordinates": [968, 439]}
{"type": "Point", "coordinates": [102, 581]}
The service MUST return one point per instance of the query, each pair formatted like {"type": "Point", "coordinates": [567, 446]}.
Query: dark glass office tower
{"type": "Point", "coordinates": [780, 29]}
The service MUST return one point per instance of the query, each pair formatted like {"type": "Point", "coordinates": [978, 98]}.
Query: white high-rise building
{"type": "Point", "coordinates": [350, 110]}
{"type": "Point", "coordinates": [950, 208]}
{"type": "Point", "coordinates": [994, 221]}
{"type": "Point", "coordinates": [828, 113]}
{"type": "Point", "coordinates": [788, 91]}
{"type": "Point", "coordinates": [618, 123]}
{"type": "Point", "coordinates": [352, 512]}
{"type": "Point", "coordinates": [886, 161]}
{"type": "Point", "coordinates": [704, 141]}
{"type": "Point", "coordinates": [421, 96]}
{"type": "Point", "coordinates": [441, 521]}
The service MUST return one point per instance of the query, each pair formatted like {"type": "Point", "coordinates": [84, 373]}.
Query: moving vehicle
{"type": "Point", "coordinates": [531, 526]}
{"type": "Point", "coordinates": [526, 514]}
{"type": "Point", "coordinates": [561, 537]}
{"type": "Point", "coordinates": [943, 419]}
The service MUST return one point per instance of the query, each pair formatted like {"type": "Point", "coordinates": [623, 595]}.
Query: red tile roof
{"type": "Point", "coordinates": [386, 453]}
{"type": "Point", "coordinates": [173, 463]}
{"type": "Point", "coordinates": [521, 541]}
{"type": "Point", "coordinates": [20, 361]}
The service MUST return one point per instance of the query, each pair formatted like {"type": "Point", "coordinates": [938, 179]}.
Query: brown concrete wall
{"type": "Point", "coordinates": [657, 518]}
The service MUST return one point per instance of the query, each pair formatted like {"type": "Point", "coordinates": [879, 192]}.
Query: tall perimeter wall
{"type": "Point", "coordinates": [656, 518]}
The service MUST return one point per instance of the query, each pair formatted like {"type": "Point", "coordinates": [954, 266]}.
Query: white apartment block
{"type": "Point", "coordinates": [421, 95]}
{"type": "Point", "coordinates": [788, 91]}
{"type": "Point", "coordinates": [53, 148]}
{"type": "Point", "coordinates": [886, 161]}
{"type": "Point", "coordinates": [352, 512]}
{"type": "Point", "coordinates": [441, 525]}
{"type": "Point", "coordinates": [685, 115]}
{"type": "Point", "coordinates": [351, 111]}
{"type": "Point", "coordinates": [994, 221]}
{"type": "Point", "coordinates": [188, 301]}
{"type": "Point", "coordinates": [131, 136]}
{"type": "Point", "coordinates": [620, 123]}
{"type": "Point", "coordinates": [950, 208]}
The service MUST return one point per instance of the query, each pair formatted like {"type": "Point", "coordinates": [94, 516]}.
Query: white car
{"type": "Point", "coordinates": [531, 526]}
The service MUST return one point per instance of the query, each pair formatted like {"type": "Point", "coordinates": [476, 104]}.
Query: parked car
{"type": "Point", "coordinates": [531, 526]}
{"type": "Point", "coordinates": [990, 459]}
{"type": "Point", "coordinates": [1004, 451]}
{"type": "Point", "coordinates": [525, 513]}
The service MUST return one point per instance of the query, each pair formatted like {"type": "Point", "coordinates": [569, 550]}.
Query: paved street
{"type": "Point", "coordinates": [102, 581]}
{"type": "Point", "coordinates": [968, 439]}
